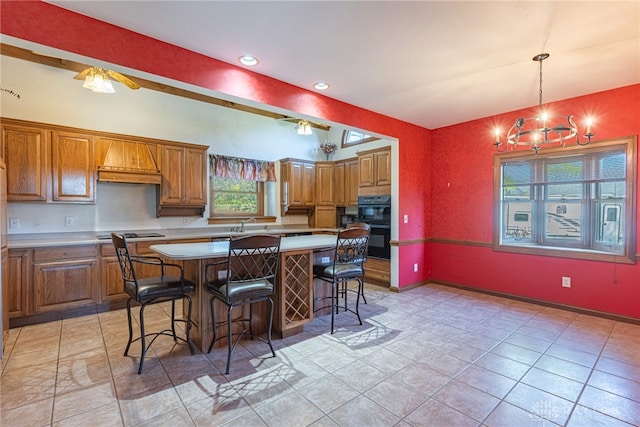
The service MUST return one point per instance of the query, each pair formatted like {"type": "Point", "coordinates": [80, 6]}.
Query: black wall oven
{"type": "Point", "coordinates": [376, 211]}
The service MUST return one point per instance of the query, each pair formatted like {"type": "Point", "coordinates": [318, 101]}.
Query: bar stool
{"type": "Point", "coordinates": [350, 254]}
{"type": "Point", "coordinates": [152, 290]}
{"type": "Point", "coordinates": [251, 269]}
{"type": "Point", "coordinates": [367, 227]}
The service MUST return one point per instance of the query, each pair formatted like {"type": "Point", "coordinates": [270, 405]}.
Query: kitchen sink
{"type": "Point", "coordinates": [130, 235]}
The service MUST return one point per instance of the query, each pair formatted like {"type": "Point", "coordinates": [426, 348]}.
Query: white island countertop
{"type": "Point", "coordinates": [179, 251]}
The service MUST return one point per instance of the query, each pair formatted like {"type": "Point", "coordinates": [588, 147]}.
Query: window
{"type": "Point", "coordinates": [576, 202]}
{"type": "Point", "coordinates": [236, 197]}
{"type": "Point", "coordinates": [354, 137]}
{"type": "Point", "coordinates": [240, 188]}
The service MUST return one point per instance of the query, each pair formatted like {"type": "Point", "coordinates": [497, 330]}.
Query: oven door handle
{"type": "Point", "coordinates": [380, 226]}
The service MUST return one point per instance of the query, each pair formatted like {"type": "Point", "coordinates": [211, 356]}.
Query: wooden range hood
{"type": "Point", "coordinates": [129, 162]}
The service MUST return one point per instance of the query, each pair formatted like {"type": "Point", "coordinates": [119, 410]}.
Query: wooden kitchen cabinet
{"type": "Point", "coordinates": [377, 271]}
{"type": "Point", "coordinates": [64, 277]}
{"type": "Point", "coordinates": [374, 170]}
{"type": "Point", "coordinates": [18, 282]}
{"type": "Point", "coordinates": [26, 153]}
{"type": "Point", "coordinates": [183, 190]}
{"type": "Point", "coordinates": [298, 180]}
{"type": "Point", "coordinates": [346, 182]}
{"type": "Point", "coordinates": [73, 167]}
{"type": "Point", "coordinates": [325, 217]}
{"type": "Point", "coordinates": [325, 172]}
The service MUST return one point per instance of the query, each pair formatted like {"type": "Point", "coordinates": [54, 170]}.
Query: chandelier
{"type": "Point", "coordinates": [536, 131]}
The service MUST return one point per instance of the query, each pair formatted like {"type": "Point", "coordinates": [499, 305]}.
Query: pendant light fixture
{"type": "Point", "coordinates": [536, 131]}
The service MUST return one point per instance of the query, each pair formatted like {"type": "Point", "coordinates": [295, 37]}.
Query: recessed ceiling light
{"type": "Point", "coordinates": [321, 86]}
{"type": "Point", "coordinates": [248, 60]}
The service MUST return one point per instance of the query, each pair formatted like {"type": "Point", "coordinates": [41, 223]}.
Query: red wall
{"type": "Point", "coordinates": [462, 212]}
{"type": "Point", "coordinates": [52, 26]}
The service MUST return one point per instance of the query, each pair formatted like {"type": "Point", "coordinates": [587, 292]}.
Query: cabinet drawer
{"type": "Point", "coordinates": [69, 252]}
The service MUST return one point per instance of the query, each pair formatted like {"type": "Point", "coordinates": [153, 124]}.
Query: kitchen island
{"type": "Point", "coordinates": [294, 288]}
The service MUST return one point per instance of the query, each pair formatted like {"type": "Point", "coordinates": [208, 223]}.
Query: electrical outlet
{"type": "Point", "coordinates": [185, 220]}
{"type": "Point", "coordinates": [69, 221]}
{"type": "Point", "coordinates": [406, 219]}
{"type": "Point", "coordinates": [415, 267]}
{"type": "Point", "coordinates": [14, 222]}
{"type": "Point", "coordinates": [566, 282]}
{"type": "Point", "coordinates": [326, 260]}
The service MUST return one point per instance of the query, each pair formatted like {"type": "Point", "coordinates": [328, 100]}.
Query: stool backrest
{"type": "Point", "coordinates": [351, 247]}
{"type": "Point", "coordinates": [124, 260]}
{"type": "Point", "coordinates": [252, 258]}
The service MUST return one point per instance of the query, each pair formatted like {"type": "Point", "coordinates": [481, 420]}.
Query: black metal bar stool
{"type": "Point", "coordinates": [251, 269]}
{"type": "Point", "coordinates": [152, 290]}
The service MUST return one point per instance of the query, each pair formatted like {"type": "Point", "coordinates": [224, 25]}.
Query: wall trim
{"type": "Point", "coordinates": [580, 310]}
{"type": "Point", "coordinates": [409, 242]}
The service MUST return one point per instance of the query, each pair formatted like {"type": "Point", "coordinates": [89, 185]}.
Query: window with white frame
{"type": "Point", "coordinates": [574, 202]}
{"type": "Point", "coordinates": [354, 137]}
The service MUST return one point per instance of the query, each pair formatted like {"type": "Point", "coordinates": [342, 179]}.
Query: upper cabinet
{"type": "Point", "coordinates": [325, 172]}
{"type": "Point", "coordinates": [73, 167]}
{"type": "Point", "coordinates": [183, 190]}
{"type": "Point", "coordinates": [374, 168]}
{"type": "Point", "coordinates": [26, 152]}
{"type": "Point", "coordinates": [298, 181]}
{"type": "Point", "coordinates": [346, 182]}
{"type": "Point", "coordinates": [47, 165]}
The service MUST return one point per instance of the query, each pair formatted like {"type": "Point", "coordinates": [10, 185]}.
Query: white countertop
{"type": "Point", "coordinates": [36, 240]}
{"type": "Point", "coordinates": [179, 251]}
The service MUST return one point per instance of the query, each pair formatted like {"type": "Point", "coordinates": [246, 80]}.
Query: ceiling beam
{"type": "Point", "coordinates": [65, 64]}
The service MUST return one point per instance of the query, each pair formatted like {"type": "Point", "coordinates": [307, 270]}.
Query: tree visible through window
{"type": "Point", "coordinates": [236, 197]}
{"type": "Point", "coordinates": [579, 201]}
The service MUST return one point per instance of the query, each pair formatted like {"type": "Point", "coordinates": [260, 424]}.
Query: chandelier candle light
{"type": "Point", "coordinates": [328, 148]}
{"type": "Point", "coordinates": [536, 131]}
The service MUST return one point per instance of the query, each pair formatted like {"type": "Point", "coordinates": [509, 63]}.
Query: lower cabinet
{"type": "Point", "coordinates": [64, 278]}
{"type": "Point", "coordinates": [377, 271]}
{"type": "Point", "coordinates": [18, 282]}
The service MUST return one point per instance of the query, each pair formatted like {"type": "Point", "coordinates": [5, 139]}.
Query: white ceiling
{"type": "Point", "coordinates": [431, 63]}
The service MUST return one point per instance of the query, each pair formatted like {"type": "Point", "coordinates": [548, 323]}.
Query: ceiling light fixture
{"type": "Point", "coordinates": [98, 81]}
{"type": "Point", "coordinates": [248, 60]}
{"type": "Point", "coordinates": [536, 131]}
{"type": "Point", "coordinates": [304, 128]}
{"type": "Point", "coordinates": [321, 86]}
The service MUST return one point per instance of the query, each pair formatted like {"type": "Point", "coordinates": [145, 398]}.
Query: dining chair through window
{"type": "Point", "coordinates": [151, 290]}
{"type": "Point", "coordinates": [248, 277]}
{"type": "Point", "coordinates": [348, 260]}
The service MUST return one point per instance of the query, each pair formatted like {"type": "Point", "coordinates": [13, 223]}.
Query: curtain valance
{"type": "Point", "coordinates": [238, 168]}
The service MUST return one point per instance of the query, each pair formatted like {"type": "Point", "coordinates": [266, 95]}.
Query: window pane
{"type": "Point", "coordinates": [235, 197]}
{"type": "Point", "coordinates": [566, 171]}
{"type": "Point", "coordinates": [610, 223]}
{"type": "Point", "coordinates": [563, 221]}
{"type": "Point", "coordinates": [517, 221]}
{"type": "Point", "coordinates": [517, 173]}
{"type": "Point", "coordinates": [564, 191]}
{"type": "Point", "coordinates": [614, 189]}
{"type": "Point", "coordinates": [613, 166]}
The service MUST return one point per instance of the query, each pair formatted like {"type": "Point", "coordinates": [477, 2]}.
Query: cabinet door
{"type": "Point", "coordinates": [18, 282]}
{"type": "Point", "coordinates": [309, 184]}
{"type": "Point", "coordinates": [366, 170]}
{"type": "Point", "coordinates": [325, 217]}
{"type": "Point", "coordinates": [25, 153]}
{"type": "Point", "coordinates": [340, 184]}
{"type": "Point", "coordinates": [382, 161]}
{"type": "Point", "coordinates": [172, 175]}
{"type": "Point", "coordinates": [4, 284]}
{"type": "Point", "coordinates": [66, 284]}
{"type": "Point", "coordinates": [324, 184]}
{"type": "Point", "coordinates": [111, 280]}
{"type": "Point", "coordinates": [195, 176]}
{"type": "Point", "coordinates": [351, 183]}
{"type": "Point", "coordinates": [73, 167]}
{"type": "Point", "coordinates": [296, 173]}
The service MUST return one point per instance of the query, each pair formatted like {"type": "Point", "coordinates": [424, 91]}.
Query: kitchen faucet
{"type": "Point", "coordinates": [243, 222]}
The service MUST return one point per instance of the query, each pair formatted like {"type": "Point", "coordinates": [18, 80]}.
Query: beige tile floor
{"type": "Point", "coordinates": [431, 356]}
